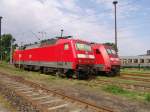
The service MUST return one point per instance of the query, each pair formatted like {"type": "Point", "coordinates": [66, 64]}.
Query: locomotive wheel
{"type": "Point", "coordinates": [114, 72]}
{"type": "Point", "coordinates": [45, 70]}
{"type": "Point", "coordinates": [16, 65]}
{"type": "Point", "coordinates": [30, 68]}
{"type": "Point", "coordinates": [81, 75]}
{"type": "Point", "coordinates": [25, 67]}
{"type": "Point", "coordinates": [41, 70]}
{"type": "Point", "coordinates": [59, 74]}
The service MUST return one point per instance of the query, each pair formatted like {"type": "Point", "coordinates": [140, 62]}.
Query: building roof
{"type": "Point", "coordinates": [135, 57]}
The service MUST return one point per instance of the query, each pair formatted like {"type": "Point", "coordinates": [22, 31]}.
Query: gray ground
{"type": "Point", "coordinates": [100, 98]}
{"type": "Point", "coordinates": [3, 109]}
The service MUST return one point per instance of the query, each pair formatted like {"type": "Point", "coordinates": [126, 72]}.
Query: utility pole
{"type": "Point", "coordinates": [116, 45]}
{"type": "Point", "coordinates": [0, 38]}
{"type": "Point", "coordinates": [62, 32]}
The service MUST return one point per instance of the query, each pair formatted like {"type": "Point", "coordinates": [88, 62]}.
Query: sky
{"type": "Point", "coordinates": [91, 20]}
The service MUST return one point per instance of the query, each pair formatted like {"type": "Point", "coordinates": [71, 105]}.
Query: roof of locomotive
{"type": "Point", "coordinates": [72, 39]}
{"type": "Point", "coordinates": [52, 41]}
{"type": "Point", "coordinates": [97, 45]}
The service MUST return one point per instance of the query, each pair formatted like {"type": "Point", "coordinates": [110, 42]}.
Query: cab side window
{"type": "Point", "coordinates": [97, 51]}
{"type": "Point", "coordinates": [66, 46]}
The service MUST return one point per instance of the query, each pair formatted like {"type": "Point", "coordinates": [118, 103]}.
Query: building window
{"type": "Point", "coordinates": [135, 60]}
{"type": "Point", "coordinates": [66, 46]}
{"type": "Point", "coordinates": [125, 61]}
{"type": "Point", "coordinates": [148, 60]}
{"type": "Point", "coordinates": [129, 60]}
{"type": "Point", "coordinates": [141, 60]}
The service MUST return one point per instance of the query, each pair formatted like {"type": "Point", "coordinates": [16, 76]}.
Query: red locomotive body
{"type": "Point", "coordinates": [74, 58]}
{"type": "Point", "coordinates": [106, 59]}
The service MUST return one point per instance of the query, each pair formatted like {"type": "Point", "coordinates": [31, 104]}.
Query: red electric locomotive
{"type": "Point", "coordinates": [106, 59]}
{"type": "Point", "coordinates": [63, 56]}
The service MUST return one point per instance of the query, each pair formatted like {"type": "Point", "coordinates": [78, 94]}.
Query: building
{"type": "Point", "coordinates": [136, 61]}
{"type": "Point", "coordinates": [148, 52]}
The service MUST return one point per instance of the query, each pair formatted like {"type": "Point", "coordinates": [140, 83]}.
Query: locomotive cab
{"type": "Point", "coordinates": [85, 57]}
{"type": "Point", "coordinates": [114, 60]}
{"type": "Point", "coordinates": [84, 53]}
{"type": "Point", "coordinates": [106, 59]}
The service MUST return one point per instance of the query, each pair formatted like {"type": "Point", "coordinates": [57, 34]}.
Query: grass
{"type": "Point", "coordinates": [147, 97]}
{"type": "Point", "coordinates": [116, 90]}
{"type": "Point", "coordinates": [28, 75]}
{"type": "Point", "coordinates": [135, 71]}
{"type": "Point", "coordinates": [6, 104]}
{"type": "Point", "coordinates": [117, 79]}
{"type": "Point", "coordinates": [50, 80]}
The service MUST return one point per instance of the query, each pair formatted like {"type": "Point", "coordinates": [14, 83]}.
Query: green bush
{"type": "Point", "coordinates": [147, 97]}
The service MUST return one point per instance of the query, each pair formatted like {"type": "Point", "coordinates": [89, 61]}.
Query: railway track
{"type": "Point", "coordinates": [37, 98]}
{"type": "Point", "coordinates": [130, 86]}
{"type": "Point", "coordinates": [146, 73]}
{"type": "Point", "coordinates": [138, 75]}
{"type": "Point", "coordinates": [128, 77]}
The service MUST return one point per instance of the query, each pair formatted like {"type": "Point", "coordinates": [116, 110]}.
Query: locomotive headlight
{"type": "Point", "coordinates": [85, 56]}
{"type": "Point", "coordinates": [81, 55]}
{"type": "Point", "coordinates": [112, 59]}
{"type": "Point", "coordinates": [91, 56]}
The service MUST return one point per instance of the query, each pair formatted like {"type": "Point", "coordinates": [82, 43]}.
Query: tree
{"type": "Point", "coordinates": [110, 44]}
{"type": "Point", "coordinates": [6, 40]}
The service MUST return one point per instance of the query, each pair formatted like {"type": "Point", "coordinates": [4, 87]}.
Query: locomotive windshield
{"type": "Point", "coordinates": [111, 51]}
{"type": "Point", "coordinates": [83, 47]}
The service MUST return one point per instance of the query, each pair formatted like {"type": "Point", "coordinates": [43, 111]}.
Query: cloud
{"type": "Point", "coordinates": [22, 16]}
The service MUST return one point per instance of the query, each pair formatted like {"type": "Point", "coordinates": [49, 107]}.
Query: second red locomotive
{"type": "Point", "coordinates": [106, 59]}
{"type": "Point", "coordinates": [72, 57]}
